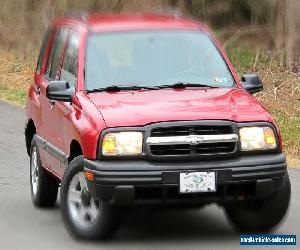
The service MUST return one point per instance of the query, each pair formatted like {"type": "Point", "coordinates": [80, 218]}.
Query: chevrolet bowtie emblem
{"type": "Point", "coordinates": [194, 139]}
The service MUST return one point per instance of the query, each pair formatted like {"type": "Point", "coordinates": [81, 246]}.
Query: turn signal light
{"type": "Point", "coordinates": [89, 176]}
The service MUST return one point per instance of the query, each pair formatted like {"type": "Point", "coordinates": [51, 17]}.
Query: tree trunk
{"type": "Point", "coordinates": [31, 5]}
{"type": "Point", "coordinates": [280, 25]}
{"type": "Point", "coordinates": [293, 34]}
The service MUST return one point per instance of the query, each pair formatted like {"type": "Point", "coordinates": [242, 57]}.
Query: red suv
{"type": "Point", "coordinates": [130, 110]}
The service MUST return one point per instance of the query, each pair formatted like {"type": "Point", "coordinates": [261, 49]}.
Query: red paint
{"type": "Point", "coordinates": [88, 115]}
{"type": "Point", "coordinates": [142, 107]}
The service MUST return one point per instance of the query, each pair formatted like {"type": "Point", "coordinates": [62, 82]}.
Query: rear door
{"type": "Point", "coordinates": [37, 96]}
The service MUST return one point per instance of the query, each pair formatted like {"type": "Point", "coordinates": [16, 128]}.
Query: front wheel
{"type": "Point", "coordinates": [84, 216]}
{"type": "Point", "coordinates": [260, 215]}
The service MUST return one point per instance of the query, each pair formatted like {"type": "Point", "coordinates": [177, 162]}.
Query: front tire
{"type": "Point", "coordinates": [43, 185]}
{"type": "Point", "coordinates": [84, 216]}
{"type": "Point", "coordinates": [260, 215]}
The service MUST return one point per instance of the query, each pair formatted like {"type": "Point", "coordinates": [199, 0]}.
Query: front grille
{"type": "Point", "coordinates": [200, 149]}
{"type": "Point", "coordinates": [197, 149]}
{"type": "Point", "coordinates": [191, 130]}
{"type": "Point", "coordinates": [215, 148]}
{"type": "Point", "coordinates": [180, 149]}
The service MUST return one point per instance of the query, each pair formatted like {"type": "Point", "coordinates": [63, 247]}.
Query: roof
{"type": "Point", "coordinates": [109, 22]}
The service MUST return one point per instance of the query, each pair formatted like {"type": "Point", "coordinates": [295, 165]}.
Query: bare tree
{"type": "Point", "coordinates": [293, 34]}
{"type": "Point", "coordinates": [280, 26]}
{"type": "Point", "coordinates": [31, 4]}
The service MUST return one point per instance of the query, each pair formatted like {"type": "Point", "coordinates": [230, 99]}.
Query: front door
{"type": "Point", "coordinates": [48, 117]}
{"type": "Point", "coordinates": [62, 111]}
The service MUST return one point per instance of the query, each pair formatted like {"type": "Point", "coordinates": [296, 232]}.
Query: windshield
{"type": "Point", "coordinates": [154, 58]}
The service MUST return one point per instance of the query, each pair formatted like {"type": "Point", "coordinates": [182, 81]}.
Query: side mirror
{"type": "Point", "coordinates": [251, 83]}
{"type": "Point", "coordinates": [60, 91]}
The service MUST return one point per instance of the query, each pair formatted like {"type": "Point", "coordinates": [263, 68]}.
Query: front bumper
{"type": "Point", "coordinates": [141, 182]}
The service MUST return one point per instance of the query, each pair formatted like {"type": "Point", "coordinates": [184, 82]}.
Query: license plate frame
{"type": "Point", "coordinates": [197, 182]}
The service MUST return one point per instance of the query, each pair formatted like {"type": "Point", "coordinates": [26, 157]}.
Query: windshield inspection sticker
{"type": "Point", "coordinates": [221, 80]}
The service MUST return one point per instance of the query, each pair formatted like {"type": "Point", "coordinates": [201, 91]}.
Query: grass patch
{"type": "Point", "coordinates": [16, 74]}
{"type": "Point", "coordinates": [242, 56]}
{"type": "Point", "coordinates": [12, 95]}
{"type": "Point", "coordinates": [290, 131]}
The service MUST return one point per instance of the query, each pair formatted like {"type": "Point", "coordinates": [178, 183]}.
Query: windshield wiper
{"type": "Point", "coordinates": [137, 87]}
{"type": "Point", "coordinates": [120, 88]}
{"type": "Point", "coordinates": [180, 85]}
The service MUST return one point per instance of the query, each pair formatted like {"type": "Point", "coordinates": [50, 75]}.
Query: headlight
{"type": "Point", "coordinates": [257, 138]}
{"type": "Point", "coordinates": [122, 143]}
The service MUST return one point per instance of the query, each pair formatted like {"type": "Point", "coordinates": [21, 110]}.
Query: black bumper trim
{"type": "Point", "coordinates": [130, 195]}
{"type": "Point", "coordinates": [249, 161]}
{"type": "Point", "coordinates": [128, 180]}
{"type": "Point", "coordinates": [264, 174]}
{"type": "Point", "coordinates": [142, 172]}
{"type": "Point", "coordinates": [259, 175]}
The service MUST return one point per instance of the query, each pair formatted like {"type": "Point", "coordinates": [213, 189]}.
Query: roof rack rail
{"type": "Point", "coordinates": [82, 15]}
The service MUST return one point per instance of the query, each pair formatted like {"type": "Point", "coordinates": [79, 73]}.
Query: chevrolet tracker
{"type": "Point", "coordinates": [129, 110]}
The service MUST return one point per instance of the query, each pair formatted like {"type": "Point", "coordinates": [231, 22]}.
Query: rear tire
{"type": "Point", "coordinates": [261, 215]}
{"type": "Point", "coordinates": [43, 185]}
{"type": "Point", "coordinates": [84, 216]}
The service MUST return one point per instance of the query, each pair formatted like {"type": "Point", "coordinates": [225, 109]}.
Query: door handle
{"type": "Point", "coordinates": [51, 104]}
{"type": "Point", "coordinates": [37, 89]}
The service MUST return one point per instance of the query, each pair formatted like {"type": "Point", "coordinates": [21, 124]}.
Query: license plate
{"type": "Point", "coordinates": [193, 182]}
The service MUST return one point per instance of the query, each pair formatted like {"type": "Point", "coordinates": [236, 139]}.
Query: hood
{"type": "Point", "coordinates": [138, 108]}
